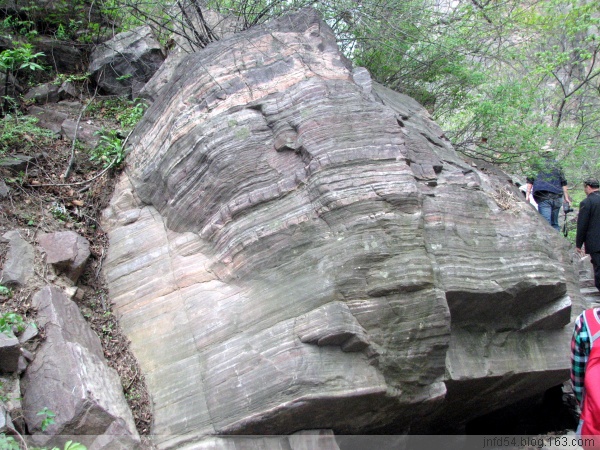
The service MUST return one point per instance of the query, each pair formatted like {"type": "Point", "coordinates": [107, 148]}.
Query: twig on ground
{"type": "Point", "coordinates": [70, 164]}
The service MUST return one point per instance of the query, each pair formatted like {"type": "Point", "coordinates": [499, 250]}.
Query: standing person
{"type": "Point", "coordinates": [587, 239]}
{"type": "Point", "coordinates": [548, 188]}
{"type": "Point", "coordinates": [585, 374]}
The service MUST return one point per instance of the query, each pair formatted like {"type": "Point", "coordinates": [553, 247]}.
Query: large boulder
{"type": "Point", "coordinates": [70, 377]}
{"type": "Point", "coordinates": [306, 250]}
{"type": "Point", "coordinates": [122, 65]}
{"type": "Point", "coordinates": [62, 56]}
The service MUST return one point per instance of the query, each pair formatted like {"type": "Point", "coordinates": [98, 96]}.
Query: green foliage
{"type": "Point", "coordinates": [20, 57]}
{"type": "Point", "coordinates": [9, 321]}
{"type": "Point", "coordinates": [8, 442]}
{"type": "Point", "coordinates": [73, 78]}
{"type": "Point", "coordinates": [127, 112]}
{"type": "Point", "coordinates": [13, 60]}
{"type": "Point", "coordinates": [109, 150]}
{"type": "Point", "coordinates": [15, 26]}
{"type": "Point", "coordinates": [20, 132]}
{"type": "Point", "coordinates": [47, 418]}
{"type": "Point", "coordinates": [5, 291]}
{"type": "Point", "coordinates": [60, 212]}
{"type": "Point", "coordinates": [70, 445]}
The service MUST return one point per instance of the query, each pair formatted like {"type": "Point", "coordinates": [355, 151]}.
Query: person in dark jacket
{"type": "Point", "coordinates": [548, 188]}
{"type": "Point", "coordinates": [588, 226]}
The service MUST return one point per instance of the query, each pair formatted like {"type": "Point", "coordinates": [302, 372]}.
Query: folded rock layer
{"type": "Point", "coordinates": [295, 247]}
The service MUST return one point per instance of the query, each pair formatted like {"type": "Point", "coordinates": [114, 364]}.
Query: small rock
{"type": "Point", "coordinates": [71, 291]}
{"type": "Point", "coordinates": [22, 364]}
{"type": "Point", "coordinates": [18, 267]}
{"type": "Point", "coordinates": [44, 93]}
{"type": "Point", "coordinates": [67, 251]}
{"type": "Point", "coordinates": [86, 134]}
{"type": "Point", "coordinates": [16, 163]}
{"type": "Point", "coordinates": [9, 353]}
{"type": "Point", "coordinates": [27, 355]}
{"type": "Point", "coordinates": [49, 119]}
{"type": "Point", "coordinates": [11, 390]}
{"type": "Point", "coordinates": [68, 89]}
{"type": "Point", "coordinates": [5, 420]}
{"type": "Point", "coordinates": [4, 190]}
{"type": "Point", "coordinates": [30, 332]}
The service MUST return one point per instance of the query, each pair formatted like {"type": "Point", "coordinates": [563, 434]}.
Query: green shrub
{"type": "Point", "coordinates": [19, 133]}
{"type": "Point", "coordinates": [127, 112]}
{"type": "Point", "coordinates": [9, 321]}
{"type": "Point", "coordinates": [8, 443]}
{"type": "Point", "coordinates": [109, 150]}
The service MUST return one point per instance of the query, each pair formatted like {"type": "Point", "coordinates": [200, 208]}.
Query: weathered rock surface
{"type": "Point", "coordinates": [9, 353]}
{"type": "Point", "coordinates": [305, 250]}
{"type": "Point", "coordinates": [87, 134]}
{"type": "Point", "coordinates": [44, 93]}
{"type": "Point", "coordinates": [70, 376]}
{"type": "Point", "coordinates": [64, 57]}
{"type": "Point", "coordinates": [18, 267]}
{"type": "Point", "coordinates": [5, 420]}
{"type": "Point", "coordinates": [122, 65]}
{"type": "Point", "coordinates": [61, 123]}
{"type": "Point", "coordinates": [67, 251]}
{"type": "Point", "coordinates": [51, 93]}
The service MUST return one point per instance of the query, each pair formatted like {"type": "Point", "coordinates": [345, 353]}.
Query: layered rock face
{"type": "Point", "coordinates": [295, 247]}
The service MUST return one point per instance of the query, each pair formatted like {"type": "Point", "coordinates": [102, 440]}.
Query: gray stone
{"type": "Point", "coordinates": [11, 390]}
{"type": "Point", "coordinates": [313, 439]}
{"type": "Point", "coordinates": [4, 189]}
{"type": "Point", "coordinates": [332, 324]}
{"type": "Point", "coordinates": [68, 89]}
{"type": "Point", "coordinates": [27, 355]}
{"type": "Point", "coordinates": [16, 163]}
{"type": "Point", "coordinates": [67, 251]}
{"type": "Point", "coordinates": [84, 132]}
{"type": "Point", "coordinates": [62, 56]}
{"type": "Point", "coordinates": [6, 424]}
{"type": "Point", "coordinates": [18, 266]}
{"type": "Point", "coordinates": [43, 93]}
{"type": "Point", "coordinates": [31, 331]}
{"type": "Point", "coordinates": [22, 364]}
{"type": "Point", "coordinates": [129, 58]}
{"type": "Point", "coordinates": [10, 353]}
{"type": "Point", "coordinates": [70, 376]}
{"type": "Point", "coordinates": [48, 118]}
{"type": "Point", "coordinates": [305, 247]}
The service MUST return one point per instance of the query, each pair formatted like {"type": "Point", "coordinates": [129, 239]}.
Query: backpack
{"type": "Point", "coordinates": [590, 409]}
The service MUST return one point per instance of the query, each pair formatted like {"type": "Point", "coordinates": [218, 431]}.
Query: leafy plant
{"type": "Point", "coordinates": [5, 291]}
{"type": "Point", "coordinates": [48, 418]}
{"type": "Point", "coordinates": [109, 149]}
{"type": "Point", "coordinates": [127, 112]}
{"type": "Point", "coordinates": [8, 442]}
{"type": "Point", "coordinates": [9, 321]}
{"type": "Point", "coordinates": [22, 133]}
{"type": "Point", "coordinates": [59, 212]}
{"type": "Point", "coordinates": [73, 78]}
{"type": "Point", "coordinates": [70, 445]}
{"type": "Point", "coordinates": [13, 60]}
